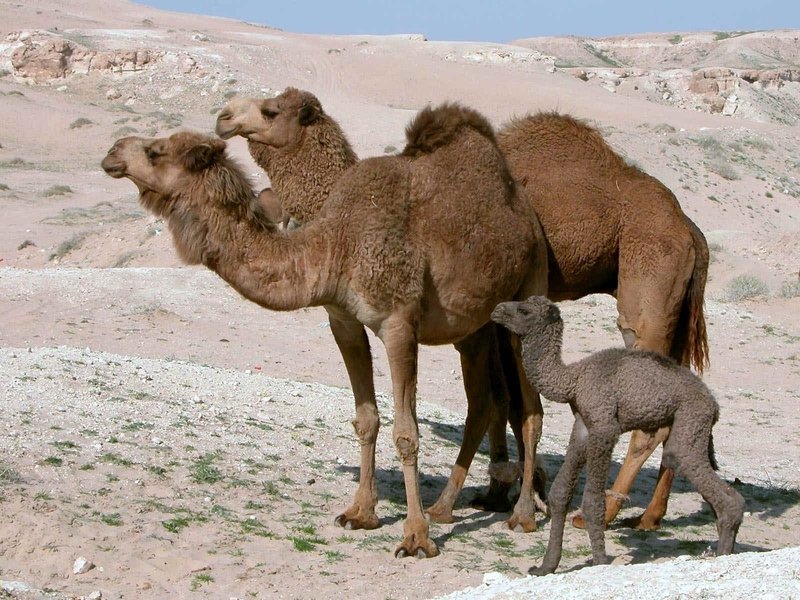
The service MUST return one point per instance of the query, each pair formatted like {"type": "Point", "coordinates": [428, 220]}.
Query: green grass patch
{"type": "Point", "coordinates": [57, 190]}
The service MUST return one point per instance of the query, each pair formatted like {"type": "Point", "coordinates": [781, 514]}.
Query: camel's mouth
{"type": "Point", "coordinates": [113, 167]}
{"type": "Point", "coordinates": [225, 129]}
{"type": "Point", "coordinates": [501, 314]}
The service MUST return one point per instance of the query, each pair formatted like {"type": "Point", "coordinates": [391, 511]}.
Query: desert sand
{"type": "Point", "coordinates": [192, 445]}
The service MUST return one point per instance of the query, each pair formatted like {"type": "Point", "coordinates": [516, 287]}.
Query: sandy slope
{"type": "Point", "coordinates": [193, 445]}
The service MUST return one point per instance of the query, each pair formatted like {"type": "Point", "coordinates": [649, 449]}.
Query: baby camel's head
{"type": "Point", "coordinates": [533, 316]}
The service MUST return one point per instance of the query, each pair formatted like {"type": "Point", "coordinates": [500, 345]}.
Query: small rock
{"type": "Point", "coordinates": [622, 559]}
{"type": "Point", "coordinates": [113, 94]}
{"type": "Point", "coordinates": [82, 565]}
{"type": "Point", "coordinates": [61, 88]}
{"type": "Point", "coordinates": [95, 595]}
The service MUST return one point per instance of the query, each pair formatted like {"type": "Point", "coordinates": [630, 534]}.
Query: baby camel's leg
{"type": "Point", "coordinates": [598, 457]}
{"type": "Point", "coordinates": [561, 494]}
{"type": "Point", "coordinates": [688, 446]}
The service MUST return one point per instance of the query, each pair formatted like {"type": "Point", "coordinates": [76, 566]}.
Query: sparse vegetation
{"type": "Point", "coordinates": [745, 287]}
{"type": "Point", "coordinates": [724, 170]}
{"type": "Point", "coordinates": [676, 39]}
{"type": "Point", "coordinates": [81, 122]}
{"type": "Point", "coordinates": [790, 289]}
{"type": "Point", "coordinates": [57, 190]}
{"type": "Point", "coordinates": [203, 471]}
{"type": "Point", "coordinates": [200, 580]}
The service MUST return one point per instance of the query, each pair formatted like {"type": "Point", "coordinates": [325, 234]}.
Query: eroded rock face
{"type": "Point", "coordinates": [43, 58]}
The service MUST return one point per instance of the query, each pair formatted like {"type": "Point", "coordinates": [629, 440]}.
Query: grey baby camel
{"type": "Point", "coordinates": [611, 392]}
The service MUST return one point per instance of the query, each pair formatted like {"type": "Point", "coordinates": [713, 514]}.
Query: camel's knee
{"type": "Point", "coordinates": [407, 445]}
{"type": "Point", "coordinates": [366, 427]}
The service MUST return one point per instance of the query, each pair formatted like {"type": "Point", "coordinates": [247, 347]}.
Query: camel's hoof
{"type": "Point", "coordinates": [349, 523]}
{"type": "Point", "coordinates": [540, 571]}
{"type": "Point", "coordinates": [492, 502]}
{"type": "Point", "coordinates": [440, 516]}
{"type": "Point", "coordinates": [427, 549]}
{"type": "Point", "coordinates": [521, 524]}
{"type": "Point", "coordinates": [642, 523]}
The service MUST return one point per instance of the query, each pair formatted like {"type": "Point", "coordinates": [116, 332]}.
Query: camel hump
{"type": "Point", "coordinates": [433, 128]}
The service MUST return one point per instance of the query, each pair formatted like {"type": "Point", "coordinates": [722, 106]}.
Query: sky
{"type": "Point", "coordinates": [501, 20]}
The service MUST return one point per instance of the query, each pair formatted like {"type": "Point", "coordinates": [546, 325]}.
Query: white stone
{"type": "Point", "coordinates": [82, 565]}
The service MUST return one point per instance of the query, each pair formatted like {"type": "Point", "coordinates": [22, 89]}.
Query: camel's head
{"type": "Point", "coordinates": [529, 317]}
{"type": "Point", "coordinates": [276, 122]}
{"type": "Point", "coordinates": [162, 167]}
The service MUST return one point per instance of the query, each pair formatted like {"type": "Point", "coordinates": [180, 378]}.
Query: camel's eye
{"type": "Point", "coordinates": [269, 113]}
{"type": "Point", "coordinates": [152, 154]}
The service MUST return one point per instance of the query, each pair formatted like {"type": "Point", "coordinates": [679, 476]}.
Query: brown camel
{"type": "Point", "coordinates": [611, 392]}
{"type": "Point", "coordinates": [444, 237]}
{"type": "Point", "coordinates": [304, 151]}
{"type": "Point", "coordinates": [611, 228]}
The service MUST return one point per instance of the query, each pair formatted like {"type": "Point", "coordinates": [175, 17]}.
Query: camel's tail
{"type": "Point", "coordinates": [711, 454]}
{"type": "Point", "coordinates": [433, 128]}
{"type": "Point", "coordinates": [690, 346]}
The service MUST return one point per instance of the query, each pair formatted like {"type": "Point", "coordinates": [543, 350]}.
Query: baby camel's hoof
{"type": "Point", "coordinates": [540, 571]}
{"type": "Point", "coordinates": [425, 549]}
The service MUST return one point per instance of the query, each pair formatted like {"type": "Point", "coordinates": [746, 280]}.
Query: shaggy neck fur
{"type": "Point", "coordinates": [216, 221]}
{"type": "Point", "coordinates": [542, 353]}
{"type": "Point", "coordinates": [303, 174]}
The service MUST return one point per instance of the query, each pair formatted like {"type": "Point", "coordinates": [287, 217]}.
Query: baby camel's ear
{"type": "Point", "coordinates": [203, 155]}
{"type": "Point", "coordinates": [553, 314]}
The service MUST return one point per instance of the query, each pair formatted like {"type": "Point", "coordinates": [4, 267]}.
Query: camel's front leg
{"type": "Point", "coordinates": [486, 398]}
{"type": "Point", "coordinates": [561, 494]}
{"type": "Point", "coordinates": [353, 344]}
{"type": "Point", "coordinates": [400, 338]}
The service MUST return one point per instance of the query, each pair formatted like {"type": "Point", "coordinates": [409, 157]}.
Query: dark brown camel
{"type": "Point", "coordinates": [611, 228]}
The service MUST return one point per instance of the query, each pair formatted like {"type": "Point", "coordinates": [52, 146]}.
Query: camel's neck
{"type": "Point", "coordinates": [303, 174]}
{"type": "Point", "coordinates": [226, 230]}
{"type": "Point", "coordinates": [553, 378]}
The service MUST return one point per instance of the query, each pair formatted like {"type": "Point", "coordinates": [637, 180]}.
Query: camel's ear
{"type": "Point", "coordinates": [553, 314]}
{"type": "Point", "coordinates": [203, 155]}
{"type": "Point", "coordinates": [308, 114]}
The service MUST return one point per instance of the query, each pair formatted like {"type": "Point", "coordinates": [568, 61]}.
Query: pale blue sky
{"type": "Point", "coordinates": [503, 20]}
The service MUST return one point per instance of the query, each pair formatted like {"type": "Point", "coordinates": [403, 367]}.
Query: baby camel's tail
{"type": "Point", "coordinates": [711, 455]}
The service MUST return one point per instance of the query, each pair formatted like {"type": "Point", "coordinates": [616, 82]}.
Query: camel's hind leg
{"type": "Point", "coordinates": [353, 344]}
{"type": "Point", "coordinates": [598, 458]}
{"type": "Point", "coordinates": [561, 493]}
{"type": "Point", "coordinates": [687, 450]}
{"type": "Point", "coordinates": [646, 307]}
{"type": "Point", "coordinates": [487, 398]}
